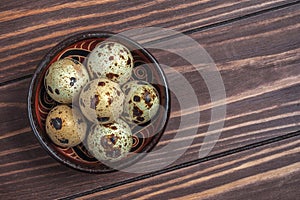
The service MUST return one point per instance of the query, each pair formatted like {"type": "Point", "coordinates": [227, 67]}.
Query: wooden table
{"type": "Point", "coordinates": [256, 47]}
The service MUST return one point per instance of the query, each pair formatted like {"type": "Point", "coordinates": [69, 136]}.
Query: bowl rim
{"type": "Point", "coordinates": [50, 55]}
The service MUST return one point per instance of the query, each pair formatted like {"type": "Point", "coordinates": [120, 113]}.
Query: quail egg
{"type": "Point", "coordinates": [110, 60]}
{"type": "Point", "coordinates": [64, 80]}
{"type": "Point", "coordinates": [101, 101]}
{"type": "Point", "coordinates": [110, 142]}
{"type": "Point", "coordinates": [141, 101]}
{"type": "Point", "coordinates": [65, 126]}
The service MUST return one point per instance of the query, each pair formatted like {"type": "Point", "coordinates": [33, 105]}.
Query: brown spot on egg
{"type": "Point", "coordinates": [136, 98]}
{"type": "Point", "coordinates": [72, 81]}
{"type": "Point", "coordinates": [110, 100]}
{"type": "Point", "coordinates": [57, 91]}
{"type": "Point", "coordinates": [118, 93]}
{"type": "Point", "coordinates": [106, 125]}
{"type": "Point", "coordinates": [141, 119]}
{"type": "Point", "coordinates": [111, 57]}
{"type": "Point", "coordinates": [113, 139]}
{"type": "Point", "coordinates": [50, 89]}
{"type": "Point", "coordinates": [122, 57]}
{"type": "Point", "coordinates": [150, 104]}
{"type": "Point", "coordinates": [128, 61]}
{"type": "Point", "coordinates": [94, 101]}
{"type": "Point", "coordinates": [110, 45]}
{"type": "Point", "coordinates": [112, 75]}
{"type": "Point", "coordinates": [137, 112]}
{"type": "Point", "coordinates": [56, 123]}
{"type": "Point", "coordinates": [63, 140]}
{"type": "Point", "coordinates": [101, 83]}
{"type": "Point", "coordinates": [114, 128]}
{"type": "Point", "coordinates": [148, 98]}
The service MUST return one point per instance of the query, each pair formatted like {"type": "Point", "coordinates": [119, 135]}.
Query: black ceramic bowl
{"type": "Point", "coordinates": [78, 47]}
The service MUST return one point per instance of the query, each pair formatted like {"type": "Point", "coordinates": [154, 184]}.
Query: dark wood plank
{"type": "Point", "coordinates": [262, 86]}
{"type": "Point", "coordinates": [268, 172]}
{"type": "Point", "coordinates": [29, 30]}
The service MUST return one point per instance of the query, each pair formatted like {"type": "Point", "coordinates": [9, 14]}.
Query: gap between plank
{"type": "Point", "coordinates": [15, 80]}
{"type": "Point", "coordinates": [226, 22]}
{"type": "Point", "coordinates": [186, 164]}
{"type": "Point", "coordinates": [229, 21]}
{"type": "Point", "coordinates": [199, 29]}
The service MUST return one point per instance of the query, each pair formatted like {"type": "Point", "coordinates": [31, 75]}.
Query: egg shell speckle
{"type": "Point", "coordinates": [110, 142]}
{"type": "Point", "coordinates": [141, 102]}
{"type": "Point", "coordinates": [64, 80]}
{"type": "Point", "coordinates": [101, 101]}
{"type": "Point", "coordinates": [110, 60]}
{"type": "Point", "coordinates": [65, 126]}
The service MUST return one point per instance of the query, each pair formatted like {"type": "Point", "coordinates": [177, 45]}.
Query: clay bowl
{"type": "Point", "coordinates": [40, 103]}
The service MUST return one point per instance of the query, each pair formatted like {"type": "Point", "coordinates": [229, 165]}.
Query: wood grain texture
{"type": "Point", "coordinates": [268, 172]}
{"type": "Point", "coordinates": [28, 31]}
{"type": "Point", "coordinates": [258, 59]}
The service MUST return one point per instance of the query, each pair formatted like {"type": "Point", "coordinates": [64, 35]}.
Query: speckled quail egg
{"type": "Point", "coordinates": [110, 60]}
{"type": "Point", "coordinates": [110, 142]}
{"type": "Point", "coordinates": [141, 101]}
{"type": "Point", "coordinates": [64, 80]}
{"type": "Point", "coordinates": [65, 126]}
{"type": "Point", "coordinates": [101, 101]}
